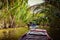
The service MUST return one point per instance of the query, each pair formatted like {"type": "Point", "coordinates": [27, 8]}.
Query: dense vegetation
{"type": "Point", "coordinates": [12, 33]}
{"type": "Point", "coordinates": [55, 24]}
{"type": "Point", "coordinates": [15, 13]}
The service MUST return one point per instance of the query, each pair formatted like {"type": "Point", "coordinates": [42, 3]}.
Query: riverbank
{"type": "Point", "coordinates": [12, 33]}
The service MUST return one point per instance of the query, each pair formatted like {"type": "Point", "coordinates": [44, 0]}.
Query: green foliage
{"type": "Point", "coordinates": [12, 33]}
{"type": "Point", "coordinates": [15, 12]}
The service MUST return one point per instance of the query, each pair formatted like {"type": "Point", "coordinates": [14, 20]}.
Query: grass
{"type": "Point", "coordinates": [12, 33]}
